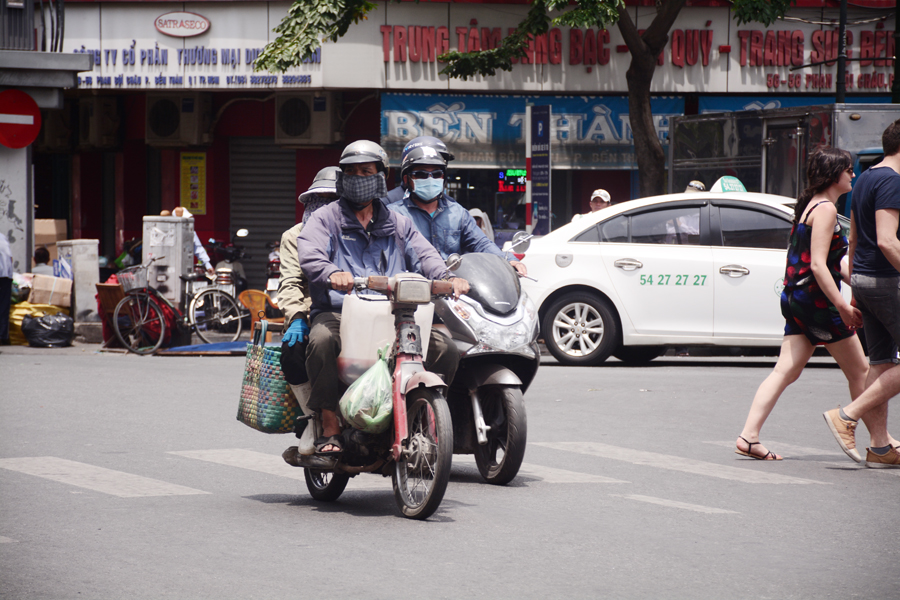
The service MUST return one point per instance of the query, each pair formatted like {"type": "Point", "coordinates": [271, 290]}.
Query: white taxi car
{"type": "Point", "coordinates": [675, 270]}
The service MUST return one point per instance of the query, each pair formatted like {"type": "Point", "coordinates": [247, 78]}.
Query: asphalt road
{"type": "Point", "coordinates": [129, 477]}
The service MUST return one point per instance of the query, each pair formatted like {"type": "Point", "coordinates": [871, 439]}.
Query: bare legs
{"type": "Point", "coordinates": [796, 351]}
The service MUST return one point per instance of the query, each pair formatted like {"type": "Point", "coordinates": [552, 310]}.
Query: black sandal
{"type": "Point", "coordinates": [755, 456]}
{"type": "Point", "coordinates": [334, 440]}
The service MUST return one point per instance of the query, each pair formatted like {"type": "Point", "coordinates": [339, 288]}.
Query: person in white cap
{"type": "Point", "coordinates": [600, 199]}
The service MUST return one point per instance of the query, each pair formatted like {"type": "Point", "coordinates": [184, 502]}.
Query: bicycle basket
{"type": "Point", "coordinates": [133, 277]}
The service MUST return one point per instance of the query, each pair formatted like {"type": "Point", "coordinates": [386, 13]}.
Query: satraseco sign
{"type": "Point", "coordinates": [181, 24]}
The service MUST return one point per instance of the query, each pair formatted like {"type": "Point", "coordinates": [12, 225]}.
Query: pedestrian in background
{"type": "Point", "coordinates": [483, 222]}
{"type": "Point", "coordinates": [6, 273]}
{"type": "Point", "coordinates": [600, 199]}
{"type": "Point", "coordinates": [41, 262]}
{"type": "Point", "coordinates": [875, 279]}
{"type": "Point", "coordinates": [815, 312]}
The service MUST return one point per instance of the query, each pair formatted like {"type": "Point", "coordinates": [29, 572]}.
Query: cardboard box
{"type": "Point", "coordinates": [47, 232]}
{"type": "Point", "coordinates": [51, 290]}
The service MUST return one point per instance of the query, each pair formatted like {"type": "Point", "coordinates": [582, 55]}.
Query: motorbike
{"type": "Point", "coordinates": [495, 327]}
{"type": "Point", "coordinates": [230, 275]}
{"type": "Point", "coordinates": [416, 450]}
{"type": "Point", "coordinates": [273, 269]}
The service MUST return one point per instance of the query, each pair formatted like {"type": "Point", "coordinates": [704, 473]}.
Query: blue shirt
{"type": "Point", "coordinates": [451, 230]}
{"type": "Point", "coordinates": [876, 189]}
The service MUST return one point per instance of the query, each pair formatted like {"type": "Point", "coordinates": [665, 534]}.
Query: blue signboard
{"type": "Point", "coordinates": [540, 169]}
{"type": "Point", "coordinates": [712, 104]}
{"type": "Point", "coordinates": [586, 132]}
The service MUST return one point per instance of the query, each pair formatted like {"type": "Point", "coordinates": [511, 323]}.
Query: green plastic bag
{"type": "Point", "coordinates": [368, 403]}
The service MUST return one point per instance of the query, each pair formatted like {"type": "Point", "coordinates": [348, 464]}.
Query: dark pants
{"type": "Point", "coordinates": [325, 345]}
{"type": "Point", "coordinates": [5, 300]}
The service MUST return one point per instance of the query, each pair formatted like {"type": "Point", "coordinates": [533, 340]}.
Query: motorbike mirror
{"type": "Point", "coordinates": [241, 233]}
{"type": "Point", "coordinates": [520, 242]}
{"type": "Point", "coordinates": [453, 262]}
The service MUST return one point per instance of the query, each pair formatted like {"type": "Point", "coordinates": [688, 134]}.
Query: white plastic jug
{"type": "Point", "coordinates": [368, 326]}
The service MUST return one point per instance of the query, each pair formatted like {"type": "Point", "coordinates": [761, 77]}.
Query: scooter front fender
{"type": "Point", "coordinates": [423, 379]}
{"type": "Point", "coordinates": [477, 375]}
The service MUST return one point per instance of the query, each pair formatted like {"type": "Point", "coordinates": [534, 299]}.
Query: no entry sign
{"type": "Point", "coordinates": [20, 119]}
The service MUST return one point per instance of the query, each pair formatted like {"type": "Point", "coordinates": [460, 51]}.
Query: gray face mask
{"type": "Point", "coordinates": [360, 189]}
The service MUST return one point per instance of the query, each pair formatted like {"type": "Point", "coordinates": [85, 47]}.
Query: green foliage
{"type": "Point", "coordinates": [760, 11]}
{"type": "Point", "coordinates": [300, 30]}
{"type": "Point", "coordinates": [586, 13]}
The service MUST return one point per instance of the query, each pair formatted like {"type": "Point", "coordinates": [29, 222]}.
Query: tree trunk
{"type": "Point", "coordinates": [645, 48]}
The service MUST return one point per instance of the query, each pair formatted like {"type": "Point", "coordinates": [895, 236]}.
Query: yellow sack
{"type": "Point", "coordinates": [18, 311]}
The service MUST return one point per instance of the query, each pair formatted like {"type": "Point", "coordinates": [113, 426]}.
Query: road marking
{"type": "Point", "coordinates": [272, 464]}
{"type": "Point", "coordinates": [788, 449]}
{"type": "Point", "coordinates": [107, 481]}
{"type": "Point", "coordinates": [673, 504]}
{"type": "Point", "coordinates": [6, 540]}
{"type": "Point", "coordinates": [547, 474]}
{"type": "Point", "coordinates": [675, 463]}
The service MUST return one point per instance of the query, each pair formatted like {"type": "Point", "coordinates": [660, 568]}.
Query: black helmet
{"type": "Point", "coordinates": [323, 183]}
{"type": "Point", "coordinates": [423, 155]}
{"type": "Point", "coordinates": [426, 141]}
{"type": "Point", "coordinates": [364, 151]}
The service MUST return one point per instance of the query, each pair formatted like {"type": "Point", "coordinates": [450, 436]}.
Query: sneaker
{"type": "Point", "coordinates": [844, 432]}
{"type": "Point", "coordinates": [888, 460]}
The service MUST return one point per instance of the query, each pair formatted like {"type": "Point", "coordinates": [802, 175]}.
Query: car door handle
{"type": "Point", "coordinates": [628, 264]}
{"type": "Point", "coordinates": [734, 270]}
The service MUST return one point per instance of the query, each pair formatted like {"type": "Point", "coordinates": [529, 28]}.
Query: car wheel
{"type": "Point", "coordinates": [580, 329]}
{"type": "Point", "coordinates": [637, 355]}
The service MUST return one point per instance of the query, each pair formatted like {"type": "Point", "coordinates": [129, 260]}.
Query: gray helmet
{"type": "Point", "coordinates": [364, 151]}
{"type": "Point", "coordinates": [423, 155]}
{"type": "Point", "coordinates": [429, 141]}
{"type": "Point", "coordinates": [323, 183]}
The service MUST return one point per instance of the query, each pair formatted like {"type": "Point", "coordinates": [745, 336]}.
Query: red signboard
{"type": "Point", "coordinates": [20, 119]}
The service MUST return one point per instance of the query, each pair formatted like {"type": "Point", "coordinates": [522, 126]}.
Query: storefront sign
{"type": "Point", "coordinates": [193, 182]}
{"type": "Point", "coordinates": [540, 169]}
{"type": "Point", "coordinates": [181, 24]}
{"type": "Point", "coordinates": [488, 131]}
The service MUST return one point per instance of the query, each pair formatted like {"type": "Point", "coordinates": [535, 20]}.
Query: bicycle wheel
{"type": "Point", "coordinates": [139, 323]}
{"type": "Point", "coordinates": [216, 317]}
{"type": "Point", "coordinates": [421, 475]}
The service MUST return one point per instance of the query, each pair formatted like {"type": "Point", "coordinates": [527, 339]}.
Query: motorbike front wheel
{"type": "Point", "coordinates": [504, 411]}
{"type": "Point", "coordinates": [325, 486]}
{"type": "Point", "coordinates": [422, 472]}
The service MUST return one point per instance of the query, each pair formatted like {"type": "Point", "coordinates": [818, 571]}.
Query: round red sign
{"type": "Point", "coordinates": [20, 119]}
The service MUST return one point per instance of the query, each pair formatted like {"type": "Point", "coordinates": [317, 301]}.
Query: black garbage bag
{"type": "Point", "coordinates": [49, 331]}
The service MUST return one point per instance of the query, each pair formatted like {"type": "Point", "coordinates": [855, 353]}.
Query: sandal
{"type": "Point", "coordinates": [334, 440]}
{"type": "Point", "coordinates": [749, 451]}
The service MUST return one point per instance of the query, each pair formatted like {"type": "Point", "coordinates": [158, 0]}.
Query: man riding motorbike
{"type": "Point", "coordinates": [294, 301]}
{"type": "Point", "coordinates": [357, 236]}
{"type": "Point", "coordinates": [443, 221]}
{"type": "Point", "coordinates": [398, 193]}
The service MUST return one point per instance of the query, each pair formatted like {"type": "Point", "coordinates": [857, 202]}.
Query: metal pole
{"type": "Point", "coordinates": [841, 90]}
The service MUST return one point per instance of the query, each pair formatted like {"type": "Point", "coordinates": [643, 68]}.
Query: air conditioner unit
{"type": "Point", "coordinates": [306, 119]}
{"type": "Point", "coordinates": [57, 128]}
{"type": "Point", "coordinates": [179, 119]}
{"type": "Point", "coordinates": [98, 122]}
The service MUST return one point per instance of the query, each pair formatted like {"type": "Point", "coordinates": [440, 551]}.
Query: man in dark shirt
{"type": "Point", "coordinates": [875, 266]}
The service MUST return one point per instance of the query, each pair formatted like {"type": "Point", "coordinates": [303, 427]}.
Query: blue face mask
{"type": "Point", "coordinates": [428, 189]}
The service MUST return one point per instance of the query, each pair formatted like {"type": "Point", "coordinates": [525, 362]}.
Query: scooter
{"type": "Point", "coordinates": [230, 275]}
{"type": "Point", "coordinates": [495, 327]}
{"type": "Point", "coordinates": [417, 449]}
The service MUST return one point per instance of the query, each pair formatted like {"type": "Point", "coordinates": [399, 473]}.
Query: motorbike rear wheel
{"type": "Point", "coordinates": [504, 411]}
{"type": "Point", "coordinates": [325, 486]}
{"type": "Point", "coordinates": [421, 474]}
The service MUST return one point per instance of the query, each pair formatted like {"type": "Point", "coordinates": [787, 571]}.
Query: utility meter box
{"type": "Point", "coordinates": [171, 241]}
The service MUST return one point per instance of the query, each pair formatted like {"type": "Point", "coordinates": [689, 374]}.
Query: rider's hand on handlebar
{"type": "Point", "coordinates": [519, 267]}
{"type": "Point", "coordinates": [296, 332]}
{"type": "Point", "coordinates": [460, 287]}
{"type": "Point", "coordinates": [341, 281]}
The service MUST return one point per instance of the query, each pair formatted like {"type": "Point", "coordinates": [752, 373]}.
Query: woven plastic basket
{"type": "Point", "coordinates": [133, 277]}
{"type": "Point", "coordinates": [267, 402]}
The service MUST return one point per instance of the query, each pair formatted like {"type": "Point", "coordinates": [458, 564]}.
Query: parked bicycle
{"type": "Point", "coordinates": [139, 320]}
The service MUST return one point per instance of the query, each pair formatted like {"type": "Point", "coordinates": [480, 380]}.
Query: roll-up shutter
{"type": "Point", "coordinates": [263, 199]}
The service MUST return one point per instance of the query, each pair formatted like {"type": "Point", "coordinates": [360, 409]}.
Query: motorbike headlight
{"type": "Point", "coordinates": [494, 337]}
